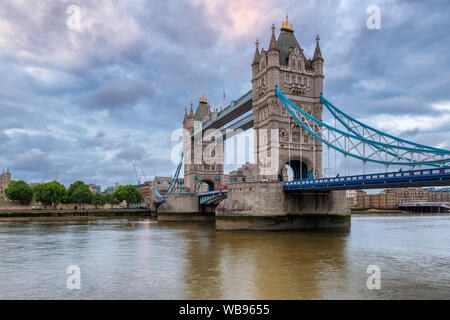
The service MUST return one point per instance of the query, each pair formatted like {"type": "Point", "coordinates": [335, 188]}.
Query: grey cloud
{"type": "Point", "coordinates": [132, 153]}
{"type": "Point", "coordinates": [34, 161]}
{"type": "Point", "coordinates": [129, 75]}
{"type": "Point", "coordinates": [117, 94]}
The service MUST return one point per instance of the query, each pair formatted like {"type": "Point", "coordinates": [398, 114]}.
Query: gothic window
{"type": "Point", "coordinates": [293, 79]}
{"type": "Point", "coordinates": [293, 64]}
{"type": "Point", "coordinates": [299, 65]}
{"type": "Point", "coordinates": [305, 81]}
{"type": "Point", "coordinates": [298, 79]}
{"type": "Point", "coordinates": [287, 78]}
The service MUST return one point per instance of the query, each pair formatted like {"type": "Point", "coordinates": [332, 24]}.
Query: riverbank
{"type": "Point", "coordinates": [378, 211]}
{"type": "Point", "coordinates": [356, 212]}
{"type": "Point", "coordinates": [76, 213]}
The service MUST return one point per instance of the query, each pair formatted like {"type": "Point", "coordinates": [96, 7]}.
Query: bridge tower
{"type": "Point", "coordinates": [203, 160]}
{"type": "Point", "coordinates": [279, 139]}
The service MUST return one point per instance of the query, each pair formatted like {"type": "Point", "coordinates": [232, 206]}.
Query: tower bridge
{"type": "Point", "coordinates": [285, 108]}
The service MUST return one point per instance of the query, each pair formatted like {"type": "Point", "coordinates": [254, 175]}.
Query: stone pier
{"type": "Point", "coordinates": [181, 208]}
{"type": "Point", "coordinates": [265, 206]}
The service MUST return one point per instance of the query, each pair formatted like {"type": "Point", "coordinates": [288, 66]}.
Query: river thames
{"type": "Point", "coordinates": [143, 259]}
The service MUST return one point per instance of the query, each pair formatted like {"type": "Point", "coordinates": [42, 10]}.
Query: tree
{"type": "Point", "coordinates": [19, 191]}
{"type": "Point", "coordinates": [128, 193]}
{"type": "Point", "coordinates": [109, 198]}
{"type": "Point", "coordinates": [79, 193]}
{"type": "Point", "coordinates": [98, 200]}
{"type": "Point", "coordinates": [73, 187]}
{"type": "Point", "coordinates": [50, 193]}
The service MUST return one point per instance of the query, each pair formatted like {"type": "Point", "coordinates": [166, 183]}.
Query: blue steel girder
{"type": "Point", "coordinates": [212, 195]}
{"type": "Point", "coordinates": [233, 111]}
{"type": "Point", "coordinates": [362, 148]}
{"type": "Point", "coordinates": [411, 178]}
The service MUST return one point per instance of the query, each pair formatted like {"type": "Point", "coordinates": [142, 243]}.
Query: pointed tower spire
{"type": "Point", "coordinates": [273, 41]}
{"type": "Point", "coordinates": [256, 57]}
{"type": "Point", "coordinates": [191, 112]}
{"type": "Point", "coordinates": [317, 52]}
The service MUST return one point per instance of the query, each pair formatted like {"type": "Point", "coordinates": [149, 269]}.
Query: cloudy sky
{"type": "Point", "coordinates": [89, 102]}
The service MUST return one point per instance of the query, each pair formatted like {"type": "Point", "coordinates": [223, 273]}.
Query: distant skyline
{"type": "Point", "coordinates": [91, 101]}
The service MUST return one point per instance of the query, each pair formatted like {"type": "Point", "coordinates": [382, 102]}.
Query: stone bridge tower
{"type": "Point", "coordinates": [203, 158]}
{"type": "Point", "coordinates": [301, 80]}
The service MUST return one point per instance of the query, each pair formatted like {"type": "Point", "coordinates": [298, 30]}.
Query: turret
{"type": "Point", "coordinates": [317, 65]}
{"type": "Point", "coordinates": [255, 63]}
{"type": "Point", "coordinates": [318, 59]}
{"type": "Point", "coordinates": [274, 52]}
{"type": "Point", "coordinates": [188, 122]}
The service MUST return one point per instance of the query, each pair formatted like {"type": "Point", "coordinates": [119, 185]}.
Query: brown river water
{"type": "Point", "coordinates": [143, 259]}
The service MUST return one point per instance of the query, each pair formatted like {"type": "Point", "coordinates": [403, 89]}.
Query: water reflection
{"type": "Point", "coordinates": [143, 259]}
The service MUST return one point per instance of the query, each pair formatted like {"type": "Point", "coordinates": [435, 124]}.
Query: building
{"type": "Point", "coordinates": [247, 173]}
{"type": "Point", "coordinates": [145, 189]}
{"type": "Point", "coordinates": [161, 184]}
{"type": "Point", "coordinates": [380, 200]}
{"type": "Point", "coordinates": [110, 190]}
{"type": "Point", "coordinates": [439, 195]}
{"type": "Point", "coordinates": [351, 196]}
{"type": "Point", "coordinates": [95, 188]}
{"type": "Point", "coordinates": [409, 194]}
{"type": "Point", "coordinates": [284, 65]}
{"type": "Point", "coordinates": [5, 179]}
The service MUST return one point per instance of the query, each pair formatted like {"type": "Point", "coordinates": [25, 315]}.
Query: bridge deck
{"type": "Point", "coordinates": [412, 178]}
{"type": "Point", "coordinates": [233, 111]}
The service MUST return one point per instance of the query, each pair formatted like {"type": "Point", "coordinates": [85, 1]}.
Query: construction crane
{"type": "Point", "coordinates": [135, 172]}
{"type": "Point", "coordinates": [45, 176]}
{"type": "Point", "coordinates": [143, 174]}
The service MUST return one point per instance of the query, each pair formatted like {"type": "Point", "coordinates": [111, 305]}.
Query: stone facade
{"type": "Point", "coordinates": [265, 206]}
{"type": "Point", "coordinates": [260, 203]}
{"type": "Point", "coordinates": [301, 80]}
{"type": "Point", "coordinates": [203, 160]}
{"type": "Point", "coordinates": [380, 200]}
{"type": "Point", "coordinates": [5, 179]}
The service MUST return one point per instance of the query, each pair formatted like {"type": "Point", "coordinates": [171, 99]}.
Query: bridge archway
{"type": "Point", "coordinates": [205, 186]}
{"type": "Point", "coordinates": [296, 168]}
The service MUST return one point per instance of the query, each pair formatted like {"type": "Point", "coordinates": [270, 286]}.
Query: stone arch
{"type": "Point", "coordinates": [201, 182]}
{"type": "Point", "coordinates": [301, 169]}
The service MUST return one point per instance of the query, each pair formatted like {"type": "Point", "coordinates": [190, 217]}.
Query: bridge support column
{"type": "Point", "coordinates": [181, 208]}
{"type": "Point", "coordinates": [265, 206]}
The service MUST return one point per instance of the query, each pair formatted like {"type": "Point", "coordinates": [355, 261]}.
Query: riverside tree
{"type": "Point", "coordinates": [50, 193]}
{"type": "Point", "coordinates": [19, 191]}
{"type": "Point", "coordinates": [109, 198]}
{"type": "Point", "coordinates": [128, 193]}
{"type": "Point", "coordinates": [98, 200]}
{"type": "Point", "coordinates": [79, 193]}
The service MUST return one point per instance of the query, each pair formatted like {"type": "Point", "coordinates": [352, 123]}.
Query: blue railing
{"type": "Point", "coordinates": [382, 180]}
{"type": "Point", "coordinates": [207, 196]}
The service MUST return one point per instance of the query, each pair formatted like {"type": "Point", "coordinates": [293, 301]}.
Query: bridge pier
{"type": "Point", "coordinates": [265, 206]}
{"type": "Point", "coordinates": [182, 208]}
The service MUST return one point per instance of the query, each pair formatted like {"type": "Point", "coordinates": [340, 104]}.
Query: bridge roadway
{"type": "Point", "coordinates": [233, 111]}
{"type": "Point", "coordinates": [410, 178]}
